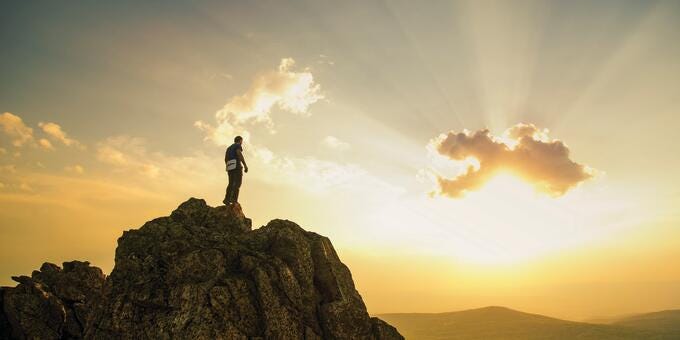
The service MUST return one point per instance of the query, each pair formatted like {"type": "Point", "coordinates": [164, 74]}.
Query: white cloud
{"type": "Point", "coordinates": [109, 151]}
{"type": "Point", "coordinates": [125, 153]}
{"type": "Point", "coordinates": [316, 175]}
{"type": "Point", "coordinates": [221, 75]}
{"type": "Point", "coordinates": [289, 90]}
{"type": "Point", "coordinates": [21, 134]}
{"type": "Point", "coordinates": [335, 143]}
{"type": "Point", "coordinates": [325, 60]}
{"type": "Point", "coordinates": [292, 91]}
{"type": "Point", "coordinates": [45, 144]}
{"type": "Point", "coordinates": [14, 127]}
{"type": "Point", "coordinates": [129, 156]}
{"type": "Point", "coordinates": [55, 132]}
{"type": "Point", "coordinates": [309, 173]}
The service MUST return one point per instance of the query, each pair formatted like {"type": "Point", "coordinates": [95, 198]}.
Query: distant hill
{"type": "Point", "coordinates": [492, 323]}
{"type": "Point", "coordinates": [666, 322]}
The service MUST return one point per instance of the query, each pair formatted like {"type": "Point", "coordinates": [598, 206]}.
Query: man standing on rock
{"type": "Point", "coordinates": [234, 157]}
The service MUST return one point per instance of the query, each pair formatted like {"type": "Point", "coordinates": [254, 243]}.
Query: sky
{"type": "Point", "coordinates": [458, 154]}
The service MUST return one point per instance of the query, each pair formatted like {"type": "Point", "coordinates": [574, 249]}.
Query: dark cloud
{"type": "Point", "coordinates": [522, 150]}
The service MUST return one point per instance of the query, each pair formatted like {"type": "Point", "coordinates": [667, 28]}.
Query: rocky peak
{"type": "Point", "coordinates": [200, 273]}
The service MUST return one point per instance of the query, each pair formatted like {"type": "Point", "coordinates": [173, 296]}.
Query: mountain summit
{"type": "Point", "coordinates": [200, 273]}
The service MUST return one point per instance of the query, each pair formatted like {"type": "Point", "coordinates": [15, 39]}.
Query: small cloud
{"type": "Point", "coordinates": [116, 150]}
{"type": "Point", "coordinates": [45, 144]}
{"type": "Point", "coordinates": [221, 75]}
{"type": "Point", "coordinates": [523, 150]}
{"type": "Point", "coordinates": [25, 187]}
{"type": "Point", "coordinates": [335, 143]}
{"type": "Point", "coordinates": [150, 170]}
{"type": "Point", "coordinates": [2, 185]}
{"type": "Point", "coordinates": [14, 127]}
{"type": "Point", "coordinates": [3, 151]}
{"type": "Point", "coordinates": [325, 60]}
{"type": "Point", "coordinates": [76, 169]}
{"type": "Point", "coordinates": [126, 154]}
{"type": "Point", "coordinates": [55, 132]}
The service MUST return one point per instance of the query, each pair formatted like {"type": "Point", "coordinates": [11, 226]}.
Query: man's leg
{"type": "Point", "coordinates": [238, 178]}
{"type": "Point", "coordinates": [230, 188]}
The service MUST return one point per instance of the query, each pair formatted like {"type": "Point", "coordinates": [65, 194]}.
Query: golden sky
{"type": "Point", "coordinates": [458, 154]}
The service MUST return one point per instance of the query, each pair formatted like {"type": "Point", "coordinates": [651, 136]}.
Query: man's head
{"type": "Point", "coordinates": [238, 139]}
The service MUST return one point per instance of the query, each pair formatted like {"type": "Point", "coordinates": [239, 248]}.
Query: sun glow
{"type": "Point", "coordinates": [504, 223]}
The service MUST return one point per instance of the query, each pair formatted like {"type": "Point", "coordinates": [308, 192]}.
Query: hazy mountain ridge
{"type": "Point", "coordinates": [666, 322]}
{"type": "Point", "coordinates": [503, 323]}
{"type": "Point", "coordinates": [200, 273]}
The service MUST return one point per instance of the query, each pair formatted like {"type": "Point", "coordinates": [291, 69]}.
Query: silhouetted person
{"type": "Point", "coordinates": [233, 158]}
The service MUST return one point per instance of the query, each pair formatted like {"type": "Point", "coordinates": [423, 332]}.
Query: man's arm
{"type": "Point", "coordinates": [240, 158]}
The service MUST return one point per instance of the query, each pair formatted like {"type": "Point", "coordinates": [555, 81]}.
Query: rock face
{"type": "Point", "coordinates": [200, 273]}
{"type": "Point", "coordinates": [52, 303]}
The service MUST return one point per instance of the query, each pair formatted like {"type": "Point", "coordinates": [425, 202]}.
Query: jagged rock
{"type": "Point", "coordinates": [201, 273]}
{"type": "Point", "coordinates": [51, 304]}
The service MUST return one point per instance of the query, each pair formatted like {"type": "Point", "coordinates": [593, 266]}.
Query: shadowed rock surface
{"type": "Point", "coordinates": [52, 303]}
{"type": "Point", "coordinates": [200, 273]}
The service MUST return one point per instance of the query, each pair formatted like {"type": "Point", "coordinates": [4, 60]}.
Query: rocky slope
{"type": "Point", "coordinates": [200, 273]}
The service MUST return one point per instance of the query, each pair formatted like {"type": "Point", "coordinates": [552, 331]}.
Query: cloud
{"type": "Point", "coordinates": [293, 91]}
{"type": "Point", "coordinates": [14, 127]}
{"type": "Point", "coordinates": [309, 173]}
{"type": "Point", "coordinates": [55, 132]}
{"type": "Point", "coordinates": [130, 157]}
{"type": "Point", "coordinates": [21, 134]}
{"type": "Point", "coordinates": [335, 143]}
{"type": "Point", "coordinates": [221, 75]}
{"type": "Point", "coordinates": [76, 169]}
{"type": "Point", "coordinates": [126, 153]}
{"type": "Point", "coordinates": [289, 90]}
{"type": "Point", "coordinates": [45, 144]}
{"type": "Point", "coordinates": [523, 150]}
{"type": "Point", "coordinates": [9, 168]}
{"type": "Point", "coordinates": [325, 60]}
{"type": "Point", "coordinates": [3, 151]}
{"type": "Point", "coordinates": [25, 187]}
{"type": "Point", "coordinates": [317, 175]}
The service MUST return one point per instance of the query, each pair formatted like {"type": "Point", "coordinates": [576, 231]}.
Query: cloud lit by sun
{"type": "Point", "coordinates": [289, 90]}
{"type": "Point", "coordinates": [523, 150]}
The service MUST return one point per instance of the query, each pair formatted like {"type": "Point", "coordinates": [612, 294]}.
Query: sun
{"type": "Point", "coordinates": [506, 222]}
